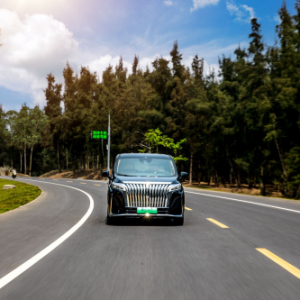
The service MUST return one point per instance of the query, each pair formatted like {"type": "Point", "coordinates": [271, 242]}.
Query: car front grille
{"type": "Point", "coordinates": [147, 194]}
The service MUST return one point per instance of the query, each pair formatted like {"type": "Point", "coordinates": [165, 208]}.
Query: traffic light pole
{"type": "Point", "coordinates": [108, 146]}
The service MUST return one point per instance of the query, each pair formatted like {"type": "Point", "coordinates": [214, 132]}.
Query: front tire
{"type": "Point", "coordinates": [109, 220]}
{"type": "Point", "coordinates": [180, 221]}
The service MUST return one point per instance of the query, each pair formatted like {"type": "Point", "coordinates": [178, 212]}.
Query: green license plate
{"type": "Point", "coordinates": [147, 210]}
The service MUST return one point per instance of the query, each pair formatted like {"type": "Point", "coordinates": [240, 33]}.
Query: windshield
{"type": "Point", "coordinates": [146, 167]}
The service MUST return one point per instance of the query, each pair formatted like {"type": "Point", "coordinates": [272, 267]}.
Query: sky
{"type": "Point", "coordinates": [39, 37]}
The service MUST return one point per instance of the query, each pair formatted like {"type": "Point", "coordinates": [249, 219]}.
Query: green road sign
{"type": "Point", "coordinates": [99, 134]}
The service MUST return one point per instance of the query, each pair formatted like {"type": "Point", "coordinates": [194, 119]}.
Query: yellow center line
{"type": "Point", "coordinates": [293, 270]}
{"type": "Point", "coordinates": [69, 181]}
{"type": "Point", "coordinates": [188, 208]}
{"type": "Point", "coordinates": [82, 182]}
{"type": "Point", "coordinates": [55, 179]}
{"type": "Point", "coordinates": [217, 223]}
{"type": "Point", "coordinates": [97, 184]}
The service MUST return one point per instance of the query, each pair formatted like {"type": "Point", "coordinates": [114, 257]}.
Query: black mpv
{"type": "Point", "coordinates": [145, 185]}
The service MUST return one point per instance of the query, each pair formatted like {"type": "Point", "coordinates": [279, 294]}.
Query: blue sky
{"type": "Point", "coordinates": [40, 36]}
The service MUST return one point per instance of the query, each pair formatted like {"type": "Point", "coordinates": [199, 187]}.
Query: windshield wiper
{"type": "Point", "coordinates": [125, 175]}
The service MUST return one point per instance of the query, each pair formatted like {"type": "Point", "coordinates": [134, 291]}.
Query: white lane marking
{"type": "Point", "coordinates": [244, 201]}
{"type": "Point", "coordinates": [30, 262]}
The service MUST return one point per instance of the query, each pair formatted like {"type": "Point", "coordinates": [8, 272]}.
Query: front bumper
{"type": "Point", "coordinates": [133, 215]}
{"type": "Point", "coordinates": [117, 206]}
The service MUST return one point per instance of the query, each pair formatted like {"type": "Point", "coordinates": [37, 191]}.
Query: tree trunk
{"type": "Point", "coordinates": [58, 156]}
{"type": "Point", "coordinates": [30, 163]}
{"type": "Point", "coordinates": [67, 159]}
{"type": "Point", "coordinates": [95, 162]}
{"type": "Point", "coordinates": [298, 193]}
{"type": "Point", "coordinates": [25, 165]}
{"type": "Point", "coordinates": [217, 179]}
{"type": "Point", "coordinates": [262, 180]}
{"type": "Point", "coordinates": [282, 165]}
{"type": "Point", "coordinates": [209, 180]}
{"type": "Point", "coordinates": [21, 161]}
{"type": "Point", "coordinates": [224, 180]}
{"type": "Point", "coordinates": [74, 164]}
{"type": "Point", "coordinates": [191, 168]}
{"type": "Point", "coordinates": [250, 181]}
{"type": "Point", "coordinates": [44, 163]}
{"type": "Point", "coordinates": [81, 163]}
{"type": "Point", "coordinates": [238, 179]}
{"type": "Point", "coordinates": [231, 168]}
{"type": "Point", "coordinates": [281, 159]}
{"type": "Point", "coordinates": [199, 175]}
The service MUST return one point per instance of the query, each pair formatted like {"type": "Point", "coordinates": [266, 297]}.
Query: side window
{"type": "Point", "coordinates": [115, 165]}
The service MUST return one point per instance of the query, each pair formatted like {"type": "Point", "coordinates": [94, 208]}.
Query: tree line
{"type": "Point", "coordinates": [240, 126]}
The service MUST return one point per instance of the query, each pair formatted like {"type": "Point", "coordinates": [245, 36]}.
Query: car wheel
{"type": "Point", "coordinates": [180, 221]}
{"type": "Point", "coordinates": [109, 220]}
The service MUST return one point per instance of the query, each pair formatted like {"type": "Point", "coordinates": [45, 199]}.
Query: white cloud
{"type": "Point", "coordinates": [100, 64]}
{"type": "Point", "coordinates": [277, 19]}
{"type": "Point", "coordinates": [168, 3]}
{"type": "Point", "coordinates": [38, 44]}
{"type": "Point", "coordinates": [250, 10]}
{"type": "Point", "coordinates": [203, 3]}
{"type": "Point", "coordinates": [32, 48]}
{"type": "Point", "coordinates": [243, 13]}
{"type": "Point", "coordinates": [232, 8]}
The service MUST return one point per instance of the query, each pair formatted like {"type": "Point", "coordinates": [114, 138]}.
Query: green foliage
{"type": "Point", "coordinates": [239, 126]}
{"type": "Point", "coordinates": [155, 139]}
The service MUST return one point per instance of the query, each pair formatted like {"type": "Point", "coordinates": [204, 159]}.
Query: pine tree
{"type": "Point", "coordinates": [135, 65]}
{"type": "Point", "coordinates": [284, 116]}
{"type": "Point", "coordinates": [53, 111]}
{"type": "Point", "coordinates": [176, 58]}
{"type": "Point", "coordinates": [198, 68]}
{"type": "Point", "coordinates": [37, 126]}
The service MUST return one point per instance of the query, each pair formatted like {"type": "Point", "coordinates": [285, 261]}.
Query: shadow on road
{"type": "Point", "coordinates": [142, 222]}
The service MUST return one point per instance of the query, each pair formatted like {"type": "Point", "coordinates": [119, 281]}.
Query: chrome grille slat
{"type": "Point", "coordinates": [147, 194]}
{"type": "Point", "coordinates": [161, 188]}
{"type": "Point", "coordinates": [166, 197]}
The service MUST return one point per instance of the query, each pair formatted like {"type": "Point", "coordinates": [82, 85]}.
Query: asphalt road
{"type": "Point", "coordinates": [150, 259]}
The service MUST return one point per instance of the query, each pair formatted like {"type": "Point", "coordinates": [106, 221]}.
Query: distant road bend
{"type": "Point", "coordinates": [231, 246]}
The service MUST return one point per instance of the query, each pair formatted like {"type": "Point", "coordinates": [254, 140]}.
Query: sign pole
{"type": "Point", "coordinates": [108, 147]}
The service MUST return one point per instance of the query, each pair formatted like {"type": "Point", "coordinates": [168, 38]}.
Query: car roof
{"type": "Point", "coordinates": [144, 154]}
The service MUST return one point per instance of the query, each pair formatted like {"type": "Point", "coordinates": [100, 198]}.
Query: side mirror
{"type": "Point", "coordinates": [184, 176]}
{"type": "Point", "coordinates": [105, 174]}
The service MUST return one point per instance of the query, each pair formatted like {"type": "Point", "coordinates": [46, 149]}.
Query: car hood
{"type": "Point", "coordinates": [122, 179]}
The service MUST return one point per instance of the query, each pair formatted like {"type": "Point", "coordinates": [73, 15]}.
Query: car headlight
{"type": "Point", "coordinates": [174, 187]}
{"type": "Point", "coordinates": [119, 186]}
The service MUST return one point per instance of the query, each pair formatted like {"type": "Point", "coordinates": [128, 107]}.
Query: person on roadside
{"type": "Point", "coordinates": [14, 173]}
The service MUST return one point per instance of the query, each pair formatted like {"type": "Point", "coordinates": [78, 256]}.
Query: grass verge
{"type": "Point", "coordinates": [13, 198]}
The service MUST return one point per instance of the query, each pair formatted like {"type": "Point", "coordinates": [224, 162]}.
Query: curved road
{"type": "Point", "coordinates": [153, 259]}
